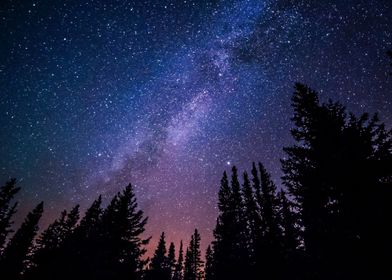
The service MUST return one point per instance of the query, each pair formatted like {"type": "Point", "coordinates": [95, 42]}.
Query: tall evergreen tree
{"type": "Point", "coordinates": [7, 193]}
{"type": "Point", "coordinates": [231, 232]}
{"type": "Point", "coordinates": [48, 251]}
{"type": "Point", "coordinates": [106, 244]}
{"type": "Point", "coordinates": [159, 268]}
{"type": "Point", "coordinates": [91, 219]}
{"type": "Point", "coordinates": [171, 259]}
{"type": "Point", "coordinates": [193, 262]}
{"type": "Point", "coordinates": [256, 185]}
{"type": "Point", "coordinates": [209, 266]}
{"type": "Point", "coordinates": [12, 262]}
{"type": "Point", "coordinates": [335, 173]}
{"type": "Point", "coordinates": [252, 219]}
{"type": "Point", "coordinates": [223, 233]}
{"type": "Point", "coordinates": [288, 223]}
{"type": "Point", "coordinates": [122, 223]}
{"type": "Point", "coordinates": [179, 271]}
{"type": "Point", "coordinates": [268, 247]}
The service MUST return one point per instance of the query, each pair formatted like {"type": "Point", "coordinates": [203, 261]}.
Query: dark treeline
{"type": "Point", "coordinates": [331, 219]}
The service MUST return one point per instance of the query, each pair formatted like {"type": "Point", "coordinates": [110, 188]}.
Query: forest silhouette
{"type": "Point", "coordinates": [331, 219]}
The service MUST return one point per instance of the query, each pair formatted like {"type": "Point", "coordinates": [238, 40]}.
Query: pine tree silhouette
{"type": "Point", "coordinates": [209, 266]}
{"type": "Point", "coordinates": [268, 248]}
{"type": "Point", "coordinates": [193, 263]}
{"type": "Point", "coordinates": [13, 260]}
{"type": "Point", "coordinates": [171, 260]}
{"type": "Point", "coordinates": [105, 245]}
{"type": "Point", "coordinates": [89, 223]}
{"type": "Point", "coordinates": [252, 218]}
{"type": "Point", "coordinates": [223, 233]}
{"type": "Point", "coordinates": [288, 223]}
{"type": "Point", "coordinates": [159, 267]}
{"type": "Point", "coordinates": [231, 244]}
{"type": "Point", "coordinates": [335, 173]}
{"type": "Point", "coordinates": [120, 242]}
{"type": "Point", "coordinates": [179, 270]}
{"type": "Point", "coordinates": [49, 252]}
{"type": "Point", "coordinates": [7, 193]}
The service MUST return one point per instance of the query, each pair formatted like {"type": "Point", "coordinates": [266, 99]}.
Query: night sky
{"type": "Point", "coordinates": [168, 94]}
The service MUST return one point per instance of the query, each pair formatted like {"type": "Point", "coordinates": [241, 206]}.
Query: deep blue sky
{"type": "Point", "coordinates": [168, 94]}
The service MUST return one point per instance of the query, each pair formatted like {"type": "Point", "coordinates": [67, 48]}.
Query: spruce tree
{"type": "Point", "coordinates": [223, 232]}
{"type": "Point", "coordinates": [252, 218]}
{"type": "Point", "coordinates": [89, 223]}
{"type": "Point", "coordinates": [7, 193]}
{"type": "Point", "coordinates": [121, 225]}
{"type": "Point", "coordinates": [49, 252]}
{"type": "Point", "coordinates": [13, 260]}
{"type": "Point", "coordinates": [179, 270]}
{"type": "Point", "coordinates": [82, 252]}
{"type": "Point", "coordinates": [256, 185]}
{"type": "Point", "coordinates": [193, 263]}
{"type": "Point", "coordinates": [268, 247]}
{"type": "Point", "coordinates": [159, 268]}
{"type": "Point", "coordinates": [231, 254]}
{"type": "Point", "coordinates": [171, 260]}
{"type": "Point", "coordinates": [288, 223]}
{"type": "Point", "coordinates": [336, 174]}
{"type": "Point", "coordinates": [209, 266]}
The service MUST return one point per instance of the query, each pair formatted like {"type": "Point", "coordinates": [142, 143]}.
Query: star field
{"type": "Point", "coordinates": [168, 94]}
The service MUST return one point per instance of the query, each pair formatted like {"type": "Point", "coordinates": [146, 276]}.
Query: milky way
{"type": "Point", "coordinates": [168, 94]}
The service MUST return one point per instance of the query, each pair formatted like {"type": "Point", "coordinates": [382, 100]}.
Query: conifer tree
{"type": "Point", "coordinates": [256, 185]}
{"type": "Point", "coordinates": [335, 174]}
{"type": "Point", "coordinates": [231, 255]}
{"type": "Point", "coordinates": [252, 218]}
{"type": "Point", "coordinates": [268, 247]}
{"type": "Point", "coordinates": [7, 193]}
{"type": "Point", "coordinates": [179, 271]}
{"type": "Point", "coordinates": [193, 262]}
{"type": "Point", "coordinates": [288, 223]}
{"type": "Point", "coordinates": [209, 266]}
{"type": "Point", "coordinates": [49, 250]}
{"type": "Point", "coordinates": [121, 225]}
{"type": "Point", "coordinates": [171, 260]}
{"type": "Point", "coordinates": [188, 269]}
{"type": "Point", "coordinates": [159, 268]}
{"type": "Point", "coordinates": [13, 260]}
{"type": "Point", "coordinates": [223, 232]}
{"type": "Point", "coordinates": [91, 219]}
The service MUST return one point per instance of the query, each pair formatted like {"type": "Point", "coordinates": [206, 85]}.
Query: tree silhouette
{"type": "Point", "coordinates": [105, 245]}
{"type": "Point", "coordinates": [7, 193]}
{"type": "Point", "coordinates": [89, 223]}
{"type": "Point", "coordinates": [336, 174]}
{"type": "Point", "coordinates": [268, 247]}
{"type": "Point", "coordinates": [159, 267]}
{"type": "Point", "coordinates": [12, 262]}
{"type": "Point", "coordinates": [179, 270]}
{"type": "Point", "coordinates": [120, 242]}
{"type": "Point", "coordinates": [252, 218]}
{"type": "Point", "coordinates": [171, 260]}
{"type": "Point", "coordinates": [49, 251]}
{"type": "Point", "coordinates": [288, 223]}
{"type": "Point", "coordinates": [193, 262]}
{"type": "Point", "coordinates": [209, 265]}
{"type": "Point", "coordinates": [224, 260]}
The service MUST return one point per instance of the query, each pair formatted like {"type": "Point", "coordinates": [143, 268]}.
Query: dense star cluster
{"type": "Point", "coordinates": [168, 94]}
